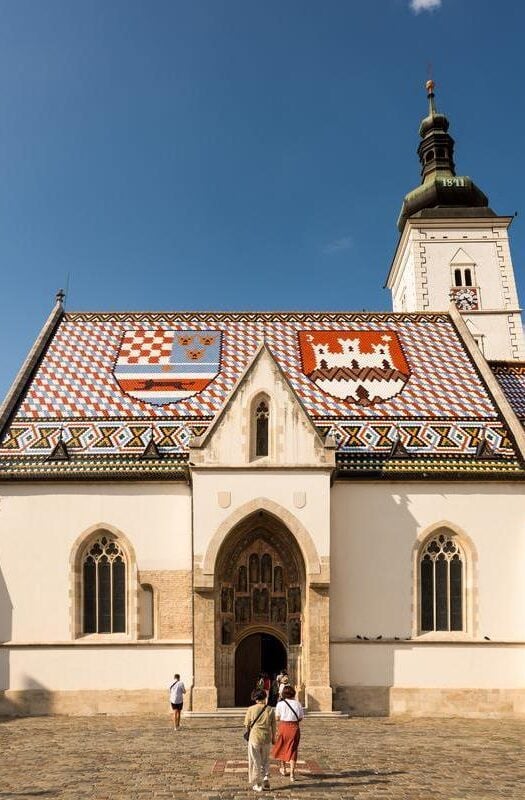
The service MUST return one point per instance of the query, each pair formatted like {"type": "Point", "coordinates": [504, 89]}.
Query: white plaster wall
{"type": "Point", "coordinates": [279, 487]}
{"type": "Point", "coordinates": [428, 666]}
{"type": "Point", "coordinates": [69, 668]}
{"type": "Point", "coordinates": [496, 330]}
{"type": "Point", "coordinates": [405, 284]}
{"type": "Point", "coordinates": [39, 524]}
{"type": "Point", "coordinates": [440, 251]}
{"type": "Point", "coordinates": [374, 529]}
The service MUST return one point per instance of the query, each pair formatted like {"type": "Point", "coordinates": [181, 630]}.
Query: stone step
{"type": "Point", "coordinates": [226, 713]}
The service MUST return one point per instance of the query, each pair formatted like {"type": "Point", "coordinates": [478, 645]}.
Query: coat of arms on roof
{"type": "Point", "coordinates": [363, 367]}
{"type": "Point", "coordinates": [164, 366]}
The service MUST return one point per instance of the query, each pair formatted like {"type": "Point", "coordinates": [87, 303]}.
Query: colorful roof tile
{"type": "Point", "coordinates": [110, 383]}
{"type": "Point", "coordinates": [511, 377]}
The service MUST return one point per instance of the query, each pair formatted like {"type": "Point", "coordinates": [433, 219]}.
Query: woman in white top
{"type": "Point", "coordinates": [282, 683]}
{"type": "Point", "coordinates": [289, 712]}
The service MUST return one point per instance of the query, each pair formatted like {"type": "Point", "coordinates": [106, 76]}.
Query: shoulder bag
{"type": "Point", "coordinates": [292, 709]}
{"type": "Point", "coordinates": [246, 734]}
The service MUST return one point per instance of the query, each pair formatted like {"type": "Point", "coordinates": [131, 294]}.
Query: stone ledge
{"type": "Point", "coordinates": [99, 642]}
{"type": "Point", "coordinates": [385, 701]}
{"type": "Point", "coordinates": [435, 642]}
{"type": "Point", "coordinates": [39, 702]}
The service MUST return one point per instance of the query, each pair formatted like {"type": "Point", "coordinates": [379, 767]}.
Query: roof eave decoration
{"type": "Point", "coordinates": [372, 467]}
{"type": "Point", "coordinates": [130, 468]}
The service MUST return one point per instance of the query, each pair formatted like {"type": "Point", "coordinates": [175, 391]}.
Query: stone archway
{"type": "Point", "coordinates": [214, 644]}
{"type": "Point", "coordinates": [260, 590]}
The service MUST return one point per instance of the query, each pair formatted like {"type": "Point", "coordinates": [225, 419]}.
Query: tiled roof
{"type": "Point", "coordinates": [511, 377]}
{"type": "Point", "coordinates": [110, 382]}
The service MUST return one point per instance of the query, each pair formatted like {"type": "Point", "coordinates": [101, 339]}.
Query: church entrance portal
{"type": "Point", "coordinates": [259, 652]}
{"type": "Point", "coordinates": [259, 607]}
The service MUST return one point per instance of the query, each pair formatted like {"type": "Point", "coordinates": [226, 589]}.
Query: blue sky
{"type": "Point", "coordinates": [233, 154]}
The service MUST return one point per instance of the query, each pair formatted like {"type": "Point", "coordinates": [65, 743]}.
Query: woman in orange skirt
{"type": "Point", "coordinates": [289, 712]}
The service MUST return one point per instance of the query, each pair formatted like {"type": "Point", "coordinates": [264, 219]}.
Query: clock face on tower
{"type": "Point", "coordinates": [465, 298]}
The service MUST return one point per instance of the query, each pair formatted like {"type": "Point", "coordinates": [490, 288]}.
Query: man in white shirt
{"type": "Point", "coordinates": [177, 690]}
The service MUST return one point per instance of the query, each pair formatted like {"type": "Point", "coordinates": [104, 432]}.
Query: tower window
{"type": "Point", "coordinates": [262, 420]}
{"type": "Point", "coordinates": [429, 156]}
{"type": "Point", "coordinates": [463, 276]}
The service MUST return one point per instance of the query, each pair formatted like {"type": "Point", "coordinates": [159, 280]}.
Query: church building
{"type": "Point", "coordinates": [219, 494]}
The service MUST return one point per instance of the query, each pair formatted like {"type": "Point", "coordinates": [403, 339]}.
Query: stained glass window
{"type": "Point", "coordinates": [104, 588]}
{"type": "Point", "coordinates": [441, 582]}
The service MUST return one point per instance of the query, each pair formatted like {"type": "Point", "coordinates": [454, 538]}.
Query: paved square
{"type": "Point", "coordinates": [137, 758]}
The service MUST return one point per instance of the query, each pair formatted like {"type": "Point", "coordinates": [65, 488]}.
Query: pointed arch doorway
{"type": "Point", "coordinates": [260, 599]}
{"type": "Point", "coordinates": [257, 652]}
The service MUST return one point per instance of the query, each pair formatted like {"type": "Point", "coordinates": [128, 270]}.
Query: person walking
{"type": "Point", "coordinates": [282, 683]}
{"type": "Point", "coordinates": [177, 692]}
{"type": "Point", "coordinates": [273, 694]}
{"type": "Point", "coordinates": [289, 713]}
{"type": "Point", "coordinates": [281, 674]}
{"type": "Point", "coordinates": [260, 726]}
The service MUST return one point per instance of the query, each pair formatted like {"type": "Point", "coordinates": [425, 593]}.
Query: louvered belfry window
{"type": "Point", "coordinates": [104, 587]}
{"type": "Point", "coordinates": [262, 419]}
{"type": "Point", "coordinates": [442, 566]}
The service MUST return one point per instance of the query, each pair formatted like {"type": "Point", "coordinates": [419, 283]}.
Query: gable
{"type": "Point", "coordinates": [461, 258]}
{"type": "Point", "coordinates": [292, 438]}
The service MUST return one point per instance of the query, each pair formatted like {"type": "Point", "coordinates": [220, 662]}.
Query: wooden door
{"type": "Point", "coordinates": [247, 668]}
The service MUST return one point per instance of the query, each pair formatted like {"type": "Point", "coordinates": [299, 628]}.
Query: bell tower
{"type": "Point", "coordinates": [454, 248]}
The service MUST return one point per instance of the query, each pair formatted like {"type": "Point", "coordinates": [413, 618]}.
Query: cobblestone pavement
{"type": "Point", "coordinates": [138, 758]}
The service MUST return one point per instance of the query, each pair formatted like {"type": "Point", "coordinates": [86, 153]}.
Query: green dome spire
{"type": "Point", "coordinates": [441, 192]}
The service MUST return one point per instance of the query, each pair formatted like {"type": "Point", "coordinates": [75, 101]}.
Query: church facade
{"type": "Point", "coordinates": [223, 494]}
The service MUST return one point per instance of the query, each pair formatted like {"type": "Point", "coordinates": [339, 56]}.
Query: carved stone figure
{"type": "Point", "coordinates": [266, 569]}
{"type": "Point", "coordinates": [226, 632]}
{"type": "Point", "coordinates": [278, 579]}
{"type": "Point", "coordinates": [278, 610]}
{"type": "Point", "coordinates": [242, 610]}
{"type": "Point", "coordinates": [254, 568]}
{"type": "Point", "coordinates": [242, 580]}
{"type": "Point", "coordinates": [294, 632]}
{"type": "Point", "coordinates": [227, 600]}
{"type": "Point", "coordinates": [260, 602]}
{"type": "Point", "coordinates": [294, 600]}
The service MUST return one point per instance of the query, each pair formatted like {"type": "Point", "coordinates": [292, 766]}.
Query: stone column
{"type": "Point", "coordinates": [204, 695]}
{"type": "Point", "coordinates": [317, 639]}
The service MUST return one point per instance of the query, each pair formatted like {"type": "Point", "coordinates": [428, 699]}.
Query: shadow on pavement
{"type": "Point", "coordinates": [30, 793]}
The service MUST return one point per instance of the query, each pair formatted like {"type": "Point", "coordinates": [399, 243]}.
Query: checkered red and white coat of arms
{"type": "Point", "coordinates": [164, 366]}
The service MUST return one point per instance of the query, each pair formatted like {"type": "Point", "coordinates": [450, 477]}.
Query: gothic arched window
{"type": "Point", "coordinates": [104, 587]}
{"type": "Point", "coordinates": [441, 572]}
{"type": "Point", "coordinates": [262, 428]}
